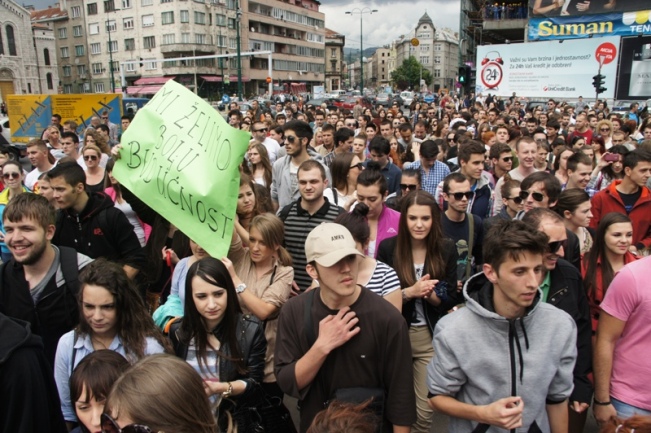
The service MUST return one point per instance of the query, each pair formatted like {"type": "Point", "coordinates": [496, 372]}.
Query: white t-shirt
{"type": "Point", "coordinates": [272, 148]}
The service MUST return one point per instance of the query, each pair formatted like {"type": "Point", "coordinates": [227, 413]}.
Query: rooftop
{"type": "Point", "coordinates": [51, 13]}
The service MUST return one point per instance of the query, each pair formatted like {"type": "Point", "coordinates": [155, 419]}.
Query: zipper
{"type": "Point", "coordinates": [512, 335]}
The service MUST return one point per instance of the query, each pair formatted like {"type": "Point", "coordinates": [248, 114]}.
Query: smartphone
{"type": "Point", "coordinates": [612, 157]}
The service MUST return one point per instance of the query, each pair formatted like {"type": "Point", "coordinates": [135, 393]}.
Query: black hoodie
{"type": "Point", "coordinates": [30, 402]}
{"type": "Point", "coordinates": [110, 235]}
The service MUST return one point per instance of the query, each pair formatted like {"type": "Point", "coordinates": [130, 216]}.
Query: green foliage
{"type": "Point", "coordinates": [408, 74]}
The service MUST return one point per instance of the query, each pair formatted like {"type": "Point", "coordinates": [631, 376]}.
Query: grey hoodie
{"type": "Point", "coordinates": [281, 186]}
{"type": "Point", "coordinates": [481, 357]}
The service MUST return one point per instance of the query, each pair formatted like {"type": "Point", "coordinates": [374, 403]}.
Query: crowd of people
{"type": "Point", "coordinates": [470, 257]}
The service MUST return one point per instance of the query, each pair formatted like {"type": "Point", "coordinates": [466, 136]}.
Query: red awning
{"type": "Point", "coordinates": [211, 78]}
{"type": "Point", "coordinates": [133, 90]}
{"type": "Point", "coordinates": [149, 90]}
{"type": "Point", "coordinates": [145, 81]}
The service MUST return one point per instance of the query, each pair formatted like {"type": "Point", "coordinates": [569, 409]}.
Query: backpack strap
{"type": "Point", "coordinates": [284, 212]}
{"type": "Point", "coordinates": [307, 317]}
{"type": "Point", "coordinates": [70, 268]}
{"type": "Point", "coordinates": [73, 357]}
{"type": "Point", "coordinates": [471, 243]}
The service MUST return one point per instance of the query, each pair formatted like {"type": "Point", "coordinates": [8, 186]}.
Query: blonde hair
{"type": "Point", "coordinates": [100, 142]}
{"type": "Point", "coordinates": [164, 393]}
{"type": "Point", "coordinates": [272, 230]}
{"type": "Point", "coordinates": [608, 123]}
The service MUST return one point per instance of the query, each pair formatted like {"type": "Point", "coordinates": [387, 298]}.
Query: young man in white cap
{"type": "Point", "coordinates": [341, 336]}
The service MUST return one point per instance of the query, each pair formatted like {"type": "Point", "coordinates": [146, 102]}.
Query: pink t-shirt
{"type": "Point", "coordinates": [629, 299]}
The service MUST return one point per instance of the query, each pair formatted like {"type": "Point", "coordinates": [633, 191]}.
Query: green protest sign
{"type": "Point", "coordinates": [181, 158]}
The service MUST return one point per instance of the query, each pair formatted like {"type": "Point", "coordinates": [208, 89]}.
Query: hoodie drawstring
{"type": "Point", "coordinates": [513, 336]}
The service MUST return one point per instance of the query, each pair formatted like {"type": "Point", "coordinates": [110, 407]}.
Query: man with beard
{"type": "Point", "coordinates": [39, 285]}
{"type": "Point", "coordinates": [525, 149]}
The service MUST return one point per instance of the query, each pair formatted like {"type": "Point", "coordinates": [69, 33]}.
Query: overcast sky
{"type": "Point", "coordinates": [394, 18]}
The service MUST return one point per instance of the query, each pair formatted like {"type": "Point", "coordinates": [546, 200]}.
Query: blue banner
{"type": "Point", "coordinates": [586, 26]}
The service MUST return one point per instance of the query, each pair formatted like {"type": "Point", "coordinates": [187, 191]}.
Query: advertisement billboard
{"type": "Point", "coordinates": [635, 69]}
{"type": "Point", "coordinates": [554, 69]}
{"type": "Point", "coordinates": [588, 26]}
{"type": "Point", "coordinates": [554, 8]}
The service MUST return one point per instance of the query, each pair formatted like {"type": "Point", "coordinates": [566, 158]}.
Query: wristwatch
{"type": "Point", "coordinates": [229, 391]}
{"type": "Point", "coordinates": [240, 288]}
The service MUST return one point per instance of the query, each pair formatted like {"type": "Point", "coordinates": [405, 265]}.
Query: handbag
{"type": "Point", "coordinates": [259, 412]}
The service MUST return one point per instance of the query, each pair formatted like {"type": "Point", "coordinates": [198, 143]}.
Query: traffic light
{"type": "Point", "coordinates": [463, 74]}
{"type": "Point", "coordinates": [598, 83]}
{"type": "Point", "coordinates": [141, 63]}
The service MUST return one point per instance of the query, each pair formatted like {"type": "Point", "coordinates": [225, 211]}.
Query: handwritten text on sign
{"type": "Point", "coordinates": [182, 159]}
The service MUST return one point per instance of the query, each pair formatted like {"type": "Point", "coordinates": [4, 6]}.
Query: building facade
{"type": "Point", "coordinates": [334, 61]}
{"type": "Point", "coordinates": [27, 58]}
{"type": "Point", "coordinates": [437, 51]}
{"type": "Point", "coordinates": [379, 63]}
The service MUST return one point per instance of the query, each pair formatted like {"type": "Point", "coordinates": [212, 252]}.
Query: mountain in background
{"type": "Point", "coordinates": [354, 53]}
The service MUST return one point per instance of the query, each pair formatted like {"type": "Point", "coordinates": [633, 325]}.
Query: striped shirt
{"type": "Point", "coordinates": [384, 279]}
{"type": "Point", "coordinates": [298, 224]}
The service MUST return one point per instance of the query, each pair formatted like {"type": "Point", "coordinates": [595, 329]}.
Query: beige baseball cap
{"type": "Point", "coordinates": [328, 243]}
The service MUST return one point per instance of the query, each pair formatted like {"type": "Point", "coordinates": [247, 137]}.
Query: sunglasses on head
{"type": "Point", "coordinates": [358, 165]}
{"type": "Point", "coordinates": [110, 426]}
{"type": "Point", "coordinates": [11, 175]}
{"type": "Point", "coordinates": [404, 186]}
{"type": "Point", "coordinates": [554, 246]}
{"type": "Point", "coordinates": [461, 195]}
{"type": "Point", "coordinates": [538, 196]}
{"type": "Point", "coordinates": [90, 158]}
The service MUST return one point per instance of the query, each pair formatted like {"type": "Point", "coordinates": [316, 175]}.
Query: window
{"type": "Point", "coordinates": [220, 20]}
{"type": "Point", "coordinates": [96, 48]}
{"type": "Point", "coordinates": [67, 70]}
{"type": "Point", "coordinates": [437, 47]}
{"type": "Point", "coordinates": [230, 4]}
{"type": "Point", "coordinates": [81, 70]}
{"type": "Point", "coordinates": [147, 2]}
{"type": "Point", "coordinates": [75, 11]}
{"type": "Point", "coordinates": [199, 18]}
{"type": "Point", "coordinates": [166, 1]}
{"type": "Point", "coordinates": [99, 87]}
{"type": "Point", "coordinates": [111, 26]}
{"type": "Point", "coordinates": [424, 48]}
{"type": "Point", "coordinates": [63, 32]}
{"type": "Point", "coordinates": [67, 88]}
{"type": "Point", "coordinates": [91, 8]}
{"type": "Point", "coordinates": [200, 38]}
{"type": "Point", "coordinates": [231, 23]}
{"type": "Point", "coordinates": [79, 50]}
{"type": "Point", "coordinates": [93, 29]}
{"type": "Point", "coordinates": [76, 31]}
{"type": "Point", "coordinates": [46, 57]}
{"type": "Point", "coordinates": [65, 52]}
{"type": "Point", "coordinates": [424, 60]}
{"type": "Point", "coordinates": [112, 46]}
{"type": "Point", "coordinates": [185, 16]}
{"type": "Point", "coordinates": [109, 6]}
{"type": "Point", "coordinates": [437, 60]}
{"type": "Point", "coordinates": [129, 44]}
{"type": "Point", "coordinates": [97, 68]}
{"type": "Point", "coordinates": [148, 20]}
{"type": "Point", "coordinates": [130, 67]}
{"type": "Point", "coordinates": [221, 40]}
{"type": "Point", "coordinates": [126, 4]}
{"type": "Point", "coordinates": [127, 23]}
{"type": "Point", "coordinates": [149, 42]}
{"type": "Point", "coordinates": [149, 65]}
{"type": "Point", "coordinates": [437, 73]}
{"type": "Point", "coordinates": [168, 39]}
{"type": "Point", "coordinates": [232, 43]}
{"type": "Point", "coordinates": [48, 80]}
{"type": "Point", "coordinates": [185, 38]}
{"type": "Point", "coordinates": [167, 17]}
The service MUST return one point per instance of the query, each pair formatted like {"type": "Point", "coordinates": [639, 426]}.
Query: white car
{"type": "Point", "coordinates": [6, 132]}
{"type": "Point", "coordinates": [407, 98]}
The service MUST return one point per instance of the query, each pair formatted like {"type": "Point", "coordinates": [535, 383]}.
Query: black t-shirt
{"type": "Point", "coordinates": [459, 232]}
{"type": "Point", "coordinates": [630, 199]}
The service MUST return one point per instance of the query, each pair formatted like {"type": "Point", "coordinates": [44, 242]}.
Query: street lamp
{"type": "Point", "coordinates": [108, 29]}
{"type": "Point", "coordinates": [239, 50]}
{"type": "Point", "coordinates": [361, 12]}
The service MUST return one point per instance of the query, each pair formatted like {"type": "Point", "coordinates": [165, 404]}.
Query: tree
{"type": "Point", "coordinates": [409, 73]}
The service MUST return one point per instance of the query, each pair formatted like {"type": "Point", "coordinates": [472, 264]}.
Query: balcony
{"type": "Point", "coordinates": [189, 49]}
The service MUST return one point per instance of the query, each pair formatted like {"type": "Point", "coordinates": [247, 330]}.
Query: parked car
{"type": "Point", "coordinates": [6, 131]}
{"type": "Point", "coordinates": [407, 98]}
{"type": "Point", "coordinates": [382, 99]}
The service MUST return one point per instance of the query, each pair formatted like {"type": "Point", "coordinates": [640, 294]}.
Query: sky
{"type": "Point", "coordinates": [394, 18]}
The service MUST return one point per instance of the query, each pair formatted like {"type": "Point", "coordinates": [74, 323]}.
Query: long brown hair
{"type": "Point", "coordinates": [134, 324]}
{"type": "Point", "coordinates": [403, 259]}
{"type": "Point", "coordinates": [272, 230]}
{"type": "Point", "coordinates": [598, 253]}
{"type": "Point", "coordinates": [264, 162]}
{"type": "Point", "coordinates": [634, 424]}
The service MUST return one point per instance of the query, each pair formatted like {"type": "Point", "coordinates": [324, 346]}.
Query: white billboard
{"type": "Point", "coordinates": [551, 69]}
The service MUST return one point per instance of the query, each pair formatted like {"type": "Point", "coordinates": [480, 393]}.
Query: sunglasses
{"type": "Point", "coordinates": [350, 125]}
{"type": "Point", "coordinates": [105, 118]}
{"type": "Point", "coordinates": [516, 199]}
{"type": "Point", "coordinates": [358, 165]}
{"type": "Point", "coordinates": [261, 130]}
{"type": "Point", "coordinates": [554, 246]}
{"type": "Point", "coordinates": [604, 129]}
{"type": "Point", "coordinates": [507, 159]}
{"type": "Point", "coordinates": [291, 138]}
{"type": "Point", "coordinates": [90, 158]}
{"type": "Point", "coordinates": [110, 426]}
{"type": "Point", "coordinates": [11, 175]}
{"type": "Point", "coordinates": [389, 117]}
{"type": "Point", "coordinates": [538, 196]}
{"type": "Point", "coordinates": [404, 186]}
{"type": "Point", "coordinates": [461, 195]}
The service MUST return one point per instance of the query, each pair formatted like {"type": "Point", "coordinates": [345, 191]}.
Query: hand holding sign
{"type": "Point", "coordinates": [181, 158]}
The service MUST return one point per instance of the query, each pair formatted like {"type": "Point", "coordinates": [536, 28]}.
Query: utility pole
{"type": "Point", "coordinates": [239, 50]}
{"type": "Point", "coordinates": [361, 12]}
